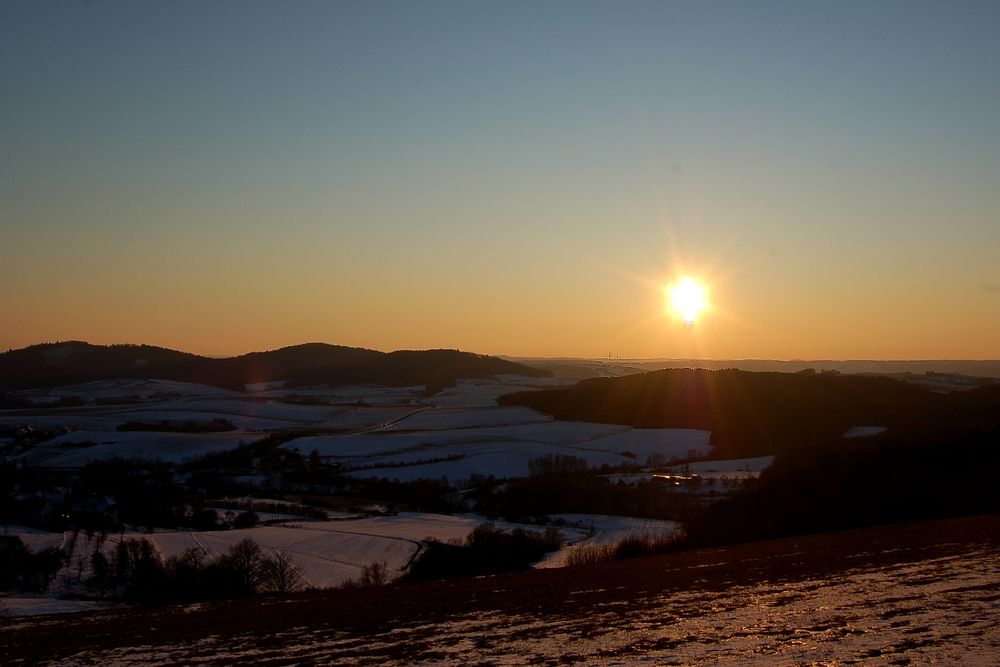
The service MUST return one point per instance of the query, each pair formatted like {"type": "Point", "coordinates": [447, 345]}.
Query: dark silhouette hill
{"type": "Point", "coordinates": [752, 414]}
{"type": "Point", "coordinates": [410, 367]}
{"type": "Point", "coordinates": [75, 362]}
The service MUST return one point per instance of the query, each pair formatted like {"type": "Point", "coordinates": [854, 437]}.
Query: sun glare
{"type": "Point", "coordinates": [687, 298]}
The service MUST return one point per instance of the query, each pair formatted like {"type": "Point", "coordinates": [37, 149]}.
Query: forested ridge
{"type": "Point", "coordinates": [751, 414]}
{"type": "Point", "coordinates": [53, 364]}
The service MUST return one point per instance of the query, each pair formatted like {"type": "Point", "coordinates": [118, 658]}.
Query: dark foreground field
{"type": "Point", "coordinates": [907, 594]}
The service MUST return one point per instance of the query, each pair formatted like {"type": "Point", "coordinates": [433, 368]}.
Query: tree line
{"type": "Point", "coordinates": [134, 570]}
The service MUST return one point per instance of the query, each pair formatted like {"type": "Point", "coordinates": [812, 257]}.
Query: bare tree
{"type": "Point", "coordinates": [279, 573]}
{"type": "Point", "coordinates": [243, 560]}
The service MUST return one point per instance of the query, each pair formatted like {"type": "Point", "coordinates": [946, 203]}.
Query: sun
{"type": "Point", "coordinates": [687, 298]}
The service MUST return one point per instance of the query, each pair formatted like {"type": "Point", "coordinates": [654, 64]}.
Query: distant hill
{"type": "Point", "coordinates": [74, 362]}
{"type": "Point", "coordinates": [585, 368]}
{"type": "Point", "coordinates": [751, 414]}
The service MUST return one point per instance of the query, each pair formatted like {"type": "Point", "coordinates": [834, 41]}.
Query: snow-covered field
{"type": "Point", "coordinates": [16, 605]}
{"type": "Point", "coordinates": [729, 468]}
{"type": "Point", "coordinates": [77, 448]}
{"type": "Point", "coordinates": [461, 432]}
{"type": "Point", "coordinates": [328, 556]}
{"type": "Point", "coordinates": [483, 393]}
{"type": "Point", "coordinates": [457, 418]}
{"type": "Point", "coordinates": [462, 443]}
{"type": "Point", "coordinates": [502, 451]}
{"type": "Point", "coordinates": [367, 418]}
{"type": "Point", "coordinates": [509, 459]}
{"type": "Point", "coordinates": [330, 553]}
{"type": "Point", "coordinates": [126, 389]}
{"type": "Point", "coordinates": [395, 433]}
{"type": "Point", "coordinates": [391, 432]}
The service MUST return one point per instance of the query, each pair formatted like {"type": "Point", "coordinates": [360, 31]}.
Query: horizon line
{"type": "Point", "coordinates": [608, 358]}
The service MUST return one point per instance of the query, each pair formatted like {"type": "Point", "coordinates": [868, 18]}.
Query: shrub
{"type": "Point", "coordinates": [486, 549]}
{"type": "Point", "coordinates": [633, 546]}
{"type": "Point", "coordinates": [204, 519]}
{"type": "Point", "coordinates": [588, 554]}
{"type": "Point", "coordinates": [637, 546]}
{"type": "Point", "coordinates": [374, 574]}
{"type": "Point", "coordinates": [247, 519]}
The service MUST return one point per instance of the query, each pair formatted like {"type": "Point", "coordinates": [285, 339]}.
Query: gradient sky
{"type": "Point", "coordinates": [515, 178]}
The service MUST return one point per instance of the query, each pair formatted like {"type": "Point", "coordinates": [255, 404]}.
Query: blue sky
{"type": "Point", "coordinates": [513, 178]}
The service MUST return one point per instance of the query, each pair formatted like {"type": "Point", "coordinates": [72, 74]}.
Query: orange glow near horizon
{"type": "Point", "coordinates": [536, 197]}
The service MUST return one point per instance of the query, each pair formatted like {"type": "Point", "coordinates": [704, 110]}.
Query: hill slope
{"type": "Point", "coordinates": [752, 413]}
{"type": "Point", "coordinates": [75, 362]}
{"type": "Point", "coordinates": [911, 593]}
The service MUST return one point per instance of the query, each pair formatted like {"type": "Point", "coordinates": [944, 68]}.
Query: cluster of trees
{"type": "Point", "coordinates": [146, 493]}
{"type": "Point", "coordinates": [906, 475]}
{"type": "Point", "coordinates": [530, 497]}
{"type": "Point", "coordinates": [135, 571]}
{"type": "Point", "coordinates": [487, 549]}
{"type": "Point", "coordinates": [117, 494]}
{"type": "Point", "coordinates": [25, 570]}
{"type": "Point", "coordinates": [922, 471]}
{"type": "Point", "coordinates": [552, 465]}
{"type": "Point", "coordinates": [564, 483]}
{"type": "Point", "coordinates": [156, 494]}
{"type": "Point", "coordinates": [22, 496]}
{"type": "Point", "coordinates": [421, 495]}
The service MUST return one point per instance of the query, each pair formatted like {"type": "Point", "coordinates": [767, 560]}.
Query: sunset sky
{"type": "Point", "coordinates": [517, 178]}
